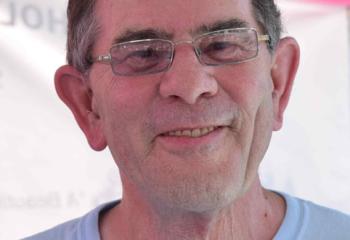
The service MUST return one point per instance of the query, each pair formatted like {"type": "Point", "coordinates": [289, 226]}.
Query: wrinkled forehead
{"type": "Point", "coordinates": [172, 18]}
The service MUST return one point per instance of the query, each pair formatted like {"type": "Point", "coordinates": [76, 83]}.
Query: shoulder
{"type": "Point", "coordinates": [325, 223]}
{"type": "Point", "coordinates": [67, 231]}
{"type": "Point", "coordinates": [307, 220]}
{"type": "Point", "coordinates": [83, 228]}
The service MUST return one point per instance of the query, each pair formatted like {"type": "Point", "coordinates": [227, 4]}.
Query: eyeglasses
{"type": "Point", "coordinates": [140, 57]}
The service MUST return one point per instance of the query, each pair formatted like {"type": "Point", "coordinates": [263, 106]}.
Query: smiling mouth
{"type": "Point", "coordinates": [193, 133]}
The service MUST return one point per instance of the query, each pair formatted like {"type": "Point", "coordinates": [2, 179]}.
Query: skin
{"type": "Point", "coordinates": [179, 187]}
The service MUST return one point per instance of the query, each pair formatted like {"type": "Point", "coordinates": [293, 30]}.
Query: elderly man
{"type": "Point", "coordinates": [186, 95]}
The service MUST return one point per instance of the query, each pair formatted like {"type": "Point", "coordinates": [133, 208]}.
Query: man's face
{"type": "Point", "coordinates": [140, 114]}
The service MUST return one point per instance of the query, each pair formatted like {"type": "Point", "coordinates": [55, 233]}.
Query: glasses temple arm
{"type": "Point", "coordinates": [103, 58]}
{"type": "Point", "coordinates": [262, 38]}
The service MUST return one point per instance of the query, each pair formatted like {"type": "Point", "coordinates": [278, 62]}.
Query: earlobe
{"type": "Point", "coordinates": [73, 90]}
{"type": "Point", "coordinates": [283, 71]}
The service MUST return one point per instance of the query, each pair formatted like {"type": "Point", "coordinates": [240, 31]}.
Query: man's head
{"type": "Point", "coordinates": [83, 28]}
{"type": "Point", "coordinates": [191, 137]}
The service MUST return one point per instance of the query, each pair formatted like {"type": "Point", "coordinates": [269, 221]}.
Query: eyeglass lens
{"type": "Point", "coordinates": [232, 47]}
{"type": "Point", "coordinates": [141, 57]}
{"type": "Point", "coordinates": [155, 55]}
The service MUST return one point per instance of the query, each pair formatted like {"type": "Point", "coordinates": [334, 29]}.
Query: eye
{"type": "Point", "coordinates": [142, 60]}
{"type": "Point", "coordinates": [222, 51]}
{"type": "Point", "coordinates": [148, 53]}
{"type": "Point", "coordinates": [218, 46]}
{"type": "Point", "coordinates": [141, 57]}
{"type": "Point", "coordinates": [148, 59]}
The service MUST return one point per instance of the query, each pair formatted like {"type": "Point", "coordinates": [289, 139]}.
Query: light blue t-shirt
{"type": "Point", "coordinates": [304, 220]}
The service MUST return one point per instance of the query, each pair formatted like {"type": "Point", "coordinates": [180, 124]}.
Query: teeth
{"type": "Point", "coordinates": [205, 131]}
{"type": "Point", "coordinates": [186, 133]}
{"type": "Point", "coordinates": [198, 132]}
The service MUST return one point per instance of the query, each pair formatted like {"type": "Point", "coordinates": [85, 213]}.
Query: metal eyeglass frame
{"type": "Point", "coordinates": [107, 59]}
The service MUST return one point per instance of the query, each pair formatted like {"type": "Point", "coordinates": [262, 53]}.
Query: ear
{"type": "Point", "coordinates": [73, 89]}
{"type": "Point", "coordinates": [283, 71]}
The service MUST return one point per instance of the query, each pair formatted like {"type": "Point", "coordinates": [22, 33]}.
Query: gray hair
{"type": "Point", "coordinates": [83, 29]}
{"type": "Point", "coordinates": [82, 33]}
{"type": "Point", "coordinates": [268, 17]}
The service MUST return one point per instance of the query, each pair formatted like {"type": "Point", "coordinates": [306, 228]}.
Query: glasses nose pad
{"type": "Point", "coordinates": [195, 49]}
{"type": "Point", "coordinates": [198, 53]}
{"type": "Point", "coordinates": [168, 58]}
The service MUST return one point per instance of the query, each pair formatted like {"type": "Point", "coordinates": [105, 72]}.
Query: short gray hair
{"type": "Point", "coordinates": [82, 33]}
{"type": "Point", "coordinates": [268, 17]}
{"type": "Point", "coordinates": [83, 29]}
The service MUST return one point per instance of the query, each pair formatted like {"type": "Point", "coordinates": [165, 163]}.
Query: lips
{"type": "Point", "coordinates": [192, 133]}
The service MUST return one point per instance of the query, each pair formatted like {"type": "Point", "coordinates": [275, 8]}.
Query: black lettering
{"type": "Point", "coordinates": [56, 22]}
{"type": "Point", "coordinates": [32, 17]}
{"type": "Point", "coordinates": [12, 15]}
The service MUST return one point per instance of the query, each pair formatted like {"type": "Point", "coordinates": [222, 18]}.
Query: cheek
{"type": "Point", "coordinates": [125, 106]}
{"type": "Point", "coordinates": [251, 88]}
{"type": "Point", "coordinates": [247, 85]}
{"type": "Point", "coordinates": [125, 100]}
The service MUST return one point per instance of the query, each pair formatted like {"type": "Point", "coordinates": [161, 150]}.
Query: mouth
{"type": "Point", "coordinates": [191, 133]}
{"type": "Point", "coordinates": [187, 140]}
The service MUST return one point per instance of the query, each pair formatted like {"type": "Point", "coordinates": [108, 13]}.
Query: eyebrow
{"type": "Point", "coordinates": [153, 33]}
{"type": "Point", "coordinates": [221, 25]}
{"type": "Point", "coordinates": [148, 33]}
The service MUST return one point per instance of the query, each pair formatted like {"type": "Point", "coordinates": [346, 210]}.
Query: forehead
{"type": "Point", "coordinates": [176, 17]}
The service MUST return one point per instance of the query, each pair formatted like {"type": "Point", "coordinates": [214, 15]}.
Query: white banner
{"type": "Point", "coordinates": [310, 156]}
{"type": "Point", "coordinates": [48, 174]}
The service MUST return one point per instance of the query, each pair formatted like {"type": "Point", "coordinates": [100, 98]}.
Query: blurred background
{"type": "Point", "coordinates": [48, 173]}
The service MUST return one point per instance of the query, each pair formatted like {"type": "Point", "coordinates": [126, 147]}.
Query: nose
{"type": "Point", "coordinates": [187, 79]}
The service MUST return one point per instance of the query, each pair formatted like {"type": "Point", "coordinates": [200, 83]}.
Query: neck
{"type": "Point", "coordinates": [255, 215]}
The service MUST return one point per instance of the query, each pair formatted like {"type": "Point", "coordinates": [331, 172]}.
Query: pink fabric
{"type": "Point", "coordinates": [335, 2]}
